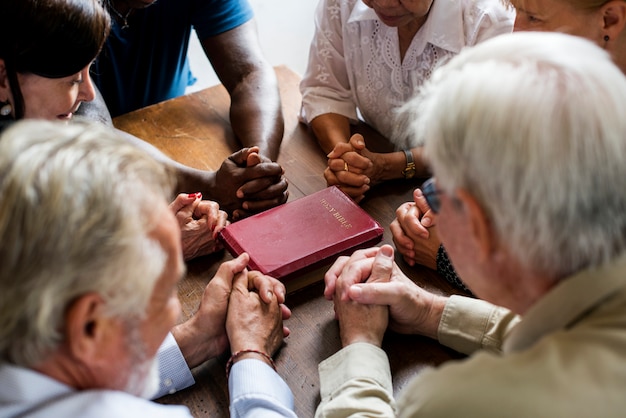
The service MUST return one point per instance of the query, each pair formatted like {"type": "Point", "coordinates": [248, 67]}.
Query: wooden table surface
{"type": "Point", "coordinates": [195, 130]}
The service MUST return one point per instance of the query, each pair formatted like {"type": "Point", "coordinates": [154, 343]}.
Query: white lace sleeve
{"type": "Point", "coordinates": [325, 86]}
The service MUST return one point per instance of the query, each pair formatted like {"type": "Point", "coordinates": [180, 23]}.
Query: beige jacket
{"type": "Point", "coordinates": [566, 357]}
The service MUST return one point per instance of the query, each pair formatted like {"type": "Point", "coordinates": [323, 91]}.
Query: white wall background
{"type": "Point", "coordinates": [285, 32]}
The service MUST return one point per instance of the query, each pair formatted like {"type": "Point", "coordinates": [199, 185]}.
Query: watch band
{"type": "Point", "coordinates": [409, 170]}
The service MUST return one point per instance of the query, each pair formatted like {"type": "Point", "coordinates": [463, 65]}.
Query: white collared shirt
{"type": "Point", "coordinates": [354, 60]}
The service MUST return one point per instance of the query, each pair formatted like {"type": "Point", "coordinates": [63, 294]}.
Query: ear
{"type": "Point", "coordinates": [88, 331]}
{"type": "Point", "coordinates": [614, 18]}
{"type": "Point", "coordinates": [480, 225]}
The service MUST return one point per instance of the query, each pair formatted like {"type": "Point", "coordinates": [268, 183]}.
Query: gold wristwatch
{"type": "Point", "coordinates": [409, 170]}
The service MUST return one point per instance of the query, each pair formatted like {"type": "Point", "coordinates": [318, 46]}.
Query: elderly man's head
{"type": "Point", "coordinates": [90, 255]}
{"type": "Point", "coordinates": [528, 131]}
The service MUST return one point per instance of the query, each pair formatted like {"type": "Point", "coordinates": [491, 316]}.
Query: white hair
{"type": "Point", "coordinates": [77, 205]}
{"type": "Point", "coordinates": [533, 126]}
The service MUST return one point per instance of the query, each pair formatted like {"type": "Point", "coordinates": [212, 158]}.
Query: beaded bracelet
{"type": "Point", "coordinates": [232, 358]}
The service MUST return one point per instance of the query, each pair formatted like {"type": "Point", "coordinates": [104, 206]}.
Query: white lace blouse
{"type": "Point", "coordinates": [354, 60]}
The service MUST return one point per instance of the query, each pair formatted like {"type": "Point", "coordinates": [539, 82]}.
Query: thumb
{"type": "Point", "coordinates": [378, 293]}
{"type": "Point", "coordinates": [382, 266]}
{"type": "Point", "coordinates": [229, 270]}
{"type": "Point", "coordinates": [240, 281]}
{"type": "Point", "coordinates": [241, 157]}
{"type": "Point", "coordinates": [357, 142]}
{"type": "Point", "coordinates": [253, 159]}
{"type": "Point", "coordinates": [182, 200]}
{"type": "Point", "coordinates": [428, 217]}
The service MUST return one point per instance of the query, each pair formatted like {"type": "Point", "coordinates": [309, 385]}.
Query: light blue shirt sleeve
{"type": "Point", "coordinates": [256, 390]}
{"type": "Point", "coordinates": [173, 370]}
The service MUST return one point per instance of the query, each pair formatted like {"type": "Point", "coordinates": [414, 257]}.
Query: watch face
{"type": "Point", "coordinates": [409, 173]}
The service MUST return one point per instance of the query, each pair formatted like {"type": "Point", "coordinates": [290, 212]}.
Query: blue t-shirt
{"type": "Point", "coordinates": [146, 62]}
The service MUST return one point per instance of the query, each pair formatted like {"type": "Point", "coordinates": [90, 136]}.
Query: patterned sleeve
{"type": "Point", "coordinates": [446, 270]}
{"type": "Point", "coordinates": [325, 86]}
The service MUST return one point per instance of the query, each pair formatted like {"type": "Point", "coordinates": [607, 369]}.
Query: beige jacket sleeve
{"type": "Point", "coordinates": [356, 382]}
{"type": "Point", "coordinates": [469, 324]}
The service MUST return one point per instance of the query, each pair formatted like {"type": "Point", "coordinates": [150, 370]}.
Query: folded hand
{"type": "Point", "coordinates": [200, 221]}
{"type": "Point", "coordinates": [248, 183]}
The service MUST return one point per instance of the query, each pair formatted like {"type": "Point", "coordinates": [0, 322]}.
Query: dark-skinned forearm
{"type": "Point", "coordinates": [256, 113]}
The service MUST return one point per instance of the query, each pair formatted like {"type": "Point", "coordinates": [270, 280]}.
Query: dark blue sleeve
{"type": "Point", "coordinates": [212, 17]}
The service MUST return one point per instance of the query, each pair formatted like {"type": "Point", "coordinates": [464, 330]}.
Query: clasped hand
{"type": "Point", "coordinates": [370, 285]}
{"type": "Point", "coordinates": [352, 167]}
{"type": "Point", "coordinates": [238, 307]}
{"type": "Point", "coordinates": [414, 232]}
{"type": "Point", "coordinates": [247, 183]}
{"type": "Point", "coordinates": [200, 221]}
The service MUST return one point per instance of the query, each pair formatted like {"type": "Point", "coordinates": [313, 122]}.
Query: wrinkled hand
{"type": "Point", "coordinates": [333, 273]}
{"type": "Point", "coordinates": [203, 336]}
{"type": "Point", "coordinates": [256, 313]}
{"type": "Point", "coordinates": [354, 181]}
{"type": "Point", "coordinates": [200, 221]}
{"type": "Point", "coordinates": [248, 183]}
{"type": "Point", "coordinates": [412, 310]}
{"type": "Point", "coordinates": [414, 232]}
{"type": "Point", "coordinates": [363, 322]}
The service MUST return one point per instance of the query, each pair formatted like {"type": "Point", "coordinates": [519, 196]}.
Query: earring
{"type": "Point", "coordinates": [5, 110]}
{"type": "Point", "coordinates": [606, 38]}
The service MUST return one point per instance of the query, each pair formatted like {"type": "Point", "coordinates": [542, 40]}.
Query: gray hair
{"type": "Point", "coordinates": [533, 126]}
{"type": "Point", "coordinates": [77, 205]}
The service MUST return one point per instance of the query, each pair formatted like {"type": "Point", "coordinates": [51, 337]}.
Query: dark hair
{"type": "Point", "coordinates": [49, 38]}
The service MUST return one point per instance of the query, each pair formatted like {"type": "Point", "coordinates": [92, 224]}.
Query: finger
{"type": "Point", "coordinates": [354, 272]}
{"type": "Point", "coordinates": [184, 199]}
{"type": "Point", "coordinates": [401, 241]}
{"type": "Point", "coordinates": [257, 186]}
{"type": "Point", "coordinates": [356, 193]}
{"type": "Point", "coordinates": [256, 206]}
{"type": "Point", "coordinates": [357, 142]}
{"type": "Point", "coordinates": [229, 269]}
{"type": "Point", "coordinates": [351, 179]}
{"type": "Point", "coordinates": [331, 177]}
{"type": "Point", "coordinates": [380, 293]}
{"type": "Point", "coordinates": [340, 149]}
{"type": "Point", "coordinates": [340, 264]}
{"type": "Point", "coordinates": [428, 217]}
{"type": "Point", "coordinates": [383, 265]}
{"type": "Point", "coordinates": [207, 208]}
{"type": "Point", "coordinates": [240, 282]}
{"type": "Point", "coordinates": [330, 278]}
{"type": "Point", "coordinates": [240, 214]}
{"type": "Point", "coordinates": [263, 169]}
{"type": "Point", "coordinates": [357, 163]}
{"type": "Point", "coordinates": [267, 287]}
{"type": "Point", "coordinates": [285, 311]}
{"type": "Point", "coordinates": [253, 159]}
{"type": "Point", "coordinates": [338, 164]}
{"type": "Point", "coordinates": [221, 223]}
{"type": "Point", "coordinates": [404, 208]}
{"type": "Point", "coordinates": [240, 157]}
{"type": "Point", "coordinates": [411, 224]}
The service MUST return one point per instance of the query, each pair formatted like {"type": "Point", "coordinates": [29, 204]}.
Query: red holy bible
{"type": "Point", "coordinates": [291, 239]}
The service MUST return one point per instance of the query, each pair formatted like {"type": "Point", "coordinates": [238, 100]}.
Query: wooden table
{"type": "Point", "coordinates": [195, 130]}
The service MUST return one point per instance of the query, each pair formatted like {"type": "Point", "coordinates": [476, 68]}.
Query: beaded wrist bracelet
{"type": "Point", "coordinates": [232, 358]}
